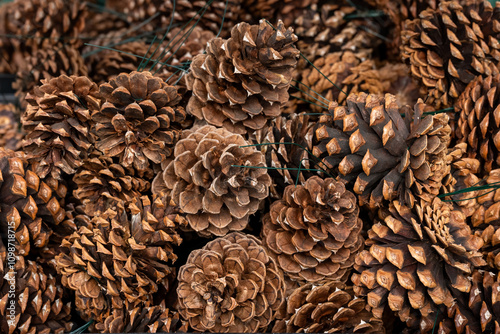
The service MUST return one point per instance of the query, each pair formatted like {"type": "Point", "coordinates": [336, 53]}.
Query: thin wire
{"type": "Point", "coordinates": [297, 88]}
{"type": "Point", "coordinates": [223, 18]}
{"type": "Point", "coordinates": [303, 84]}
{"type": "Point", "coordinates": [139, 68]}
{"type": "Point", "coordinates": [279, 168]}
{"type": "Point", "coordinates": [439, 111]}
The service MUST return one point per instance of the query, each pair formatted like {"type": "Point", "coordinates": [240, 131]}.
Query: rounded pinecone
{"type": "Point", "coordinates": [367, 142]}
{"type": "Point", "coordinates": [230, 285]}
{"type": "Point", "coordinates": [449, 46]}
{"type": "Point", "coordinates": [139, 121]}
{"type": "Point", "coordinates": [314, 231]}
{"type": "Point", "coordinates": [215, 180]}
{"type": "Point", "coordinates": [327, 308]}
{"type": "Point", "coordinates": [57, 124]}
{"type": "Point", "coordinates": [242, 82]}
{"type": "Point", "coordinates": [10, 132]}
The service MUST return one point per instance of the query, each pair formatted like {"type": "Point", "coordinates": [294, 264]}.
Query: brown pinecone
{"type": "Point", "coordinates": [242, 82]}
{"type": "Point", "coordinates": [397, 81]}
{"type": "Point", "coordinates": [139, 121]}
{"type": "Point", "coordinates": [120, 259]}
{"type": "Point", "coordinates": [31, 297]}
{"type": "Point", "coordinates": [216, 197]}
{"type": "Point", "coordinates": [385, 156]}
{"type": "Point", "coordinates": [331, 308]}
{"type": "Point", "coordinates": [274, 10]}
{"type": "Point", "coordinates": [479, 123]}
{"type": "Point", "coordinates": [230, 285]}
{"type": "Point", "coordinates": [417, 260]}
{"type": "Point", "coordinates": [448, 47]}
{"type": "Point", "coordinates": [11, 133]}
{"type": "Point", "coordinates": [57, 124]}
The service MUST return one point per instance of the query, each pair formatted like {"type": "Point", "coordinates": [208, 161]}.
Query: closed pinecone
{"type": "Point", "coordinates": [448, 47]}
{"type": "Point", "coordinates": [242, 82]}
{"type": "Point", "coordinates": [230, 285]}
{"type": "Point", "coordinates": [10, 132]}
{"type": "Point", "coordinates": [384, 155]}
{"type": "Point", "coordinates": [314, 231]}
{"type": "Point", "coordinates": [215, 180]}
{"type": "Point", "coordinates": [57, 124]}
{"type": "Point", "coordinates": [121, 258]}
{"type": "Point", "coordinates": [139, 121]}
{"type": "Point", "coordinates": [417, 260]}
{"type": "Point", "coordinates": [328, 308]}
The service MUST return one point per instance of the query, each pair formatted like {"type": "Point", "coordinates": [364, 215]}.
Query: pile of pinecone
{"type": "Point", "coordinates": [250, 166]}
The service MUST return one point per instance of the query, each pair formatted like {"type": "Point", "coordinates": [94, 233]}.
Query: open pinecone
{"type": "Point", "coordinates": [449, 46]}
{"type": "Point", "coordinates": [314, 231]}
{"type": "Point", "coordinates": [230, 285]}
{"type": "Point", "coordinates": [215, 180]}
{"type": "Point", "coordinates": [57, 124]}
{"type": "Point", "coordinates": [242, 82]}
{"type": "Point", "coordinates": [10, 132]}
{"type": "Point", "coordinates": [139, 121]}
{"type": "Point", "coordinates": [327, 308]}
{"type": "Point", "coordinates": [385, 156]}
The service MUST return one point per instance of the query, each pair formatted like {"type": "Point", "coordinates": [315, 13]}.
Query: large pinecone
{"type": "Point", "coordinates": [314, 231]}
{"type": "Point", "coordinates": [383, 154]}
{"type": "Point", "coordinates": [139, 121]}
{"type": "Point", "coordinates": [242, 82]}
{"type": "Point", "coordinates": [230, 285]}
{"type": "Point", "coordinates": [57, 124]}
{"type": "Point", "coordinates": [328, 308]}
{"type": "Point", "coordinates": [10, 132]}
{"type": "Point", "coordinates": [448, 47]}
{"type": "Point", "coordinates": [205, 183]}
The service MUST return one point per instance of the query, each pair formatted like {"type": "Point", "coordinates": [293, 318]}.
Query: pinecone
{"type": "Point", "coordinates": [331, 308]}
{"type": "Point", "coordinates": [57, 125]}
{"type": "Point", "coordinates": [274, 10]}
{"type": "Point", "coordinates": [119, 260]}
{"type": "Point", "coordinates": [139, 121]}
{"type": "Point", "coordinates": [396, 81]}
{"type": "Point", "coordinates": [448, 47]}
{"type": "Point", "coordinates": [230, 285]}
{"type": "Point", "coordinates": [242, 82]}
{"type": "Point", "coordinates": [10, 132]}
{"type": "Point", "coordinates": [314, 231]}
{"type": "Point", "coordinates": [384, 155]}
{"type": "Point", "coordinates": [417, 260]}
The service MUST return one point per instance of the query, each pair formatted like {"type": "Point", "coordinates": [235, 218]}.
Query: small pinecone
{"type": "Point", "coordinates": [10, 132]}
{"type": "Point", "coordinates": [448, 47]}
{"type": "Point", "coordinates": [242, 82]}
{"type": "Point", "coordinates": [328, 308]}
{"type": "Point", "coordinates": [385, 156]}
{"type": "Point", "coordinates": [314, 231]}
{"type": "Point", "coordinates": [217, 197]}
{"type": "Point", "coordinates": [37, 296]}
{"type": "Point", "coordinates": [230, 285]}
{"type": "Point", "coordinates": [102, 184]}
{"type": "Point", "coordinates": [479, 123]}
{"type": "Point", "coordinates": [139, 121]}
{"type": "Point", "coordinates": [417, 260]}
{"type": "Point", "coordinates": [57, 124]}
{"type": "Point", "coordinates": [120, 259]}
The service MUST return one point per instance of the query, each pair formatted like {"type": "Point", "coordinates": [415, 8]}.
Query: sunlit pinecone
{"type": "Point", "coordinates": [121, 259]}
{"type": "Point", "coordinates": [242, 82]}
{"type": "Point", "coordinates": [139, 121]}
{"type": "Point", "coordinates": [230, 285]}
{"type": "Point", "coordinates": [314, 231]}
{"type": "Point", "coordinates": [479, 122]}
{"type": "Point", "coordinates": [11, 133]}
{"type": "Point", "coordinates": [215, 180]}
{"type": "Point", "coordinates": [331, 308]}
{"type": "Point", "coordinates": [448, 47]}
{"type": "Point", "coordinates": [31, 297]}
{"type": "Point", "coordinates": [384, 155]}
{"type": "Point", "coordinates": [102, 184]}
{"type": "Point", "coordinates": [57, 124]}
{"type": "Point", "coordinates": [417, 260]}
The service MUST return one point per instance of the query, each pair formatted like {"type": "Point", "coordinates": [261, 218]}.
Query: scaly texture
{"type": "Point", "coordinates": [10, 132]}
{"type": "Point", "coordinates": [274, 10]}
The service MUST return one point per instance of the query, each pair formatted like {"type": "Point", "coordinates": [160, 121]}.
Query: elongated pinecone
{"type": "Point", "coordinates": [384, 155]}
{"type": "Point", "coordinates": [10, 132]}
{"type": "Point", "coordinates": [242, 82]}
{"type": "Point", "coordinates": [449, 46]}
{"type": "Point", "coordinates": [215, 180]}
{"type": "Point", "coordinates": [417, 260]}
{"type": "Point", "coordinates": [139, 121]}
{"type": "Point", "coordinates": [230, 285]}
{"type": "Point", "coordinates": [331, 307]}
{"type": "Point", "coordinates": [121, 258]}
{"type": "Point", "coordinates": [57, 124]}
